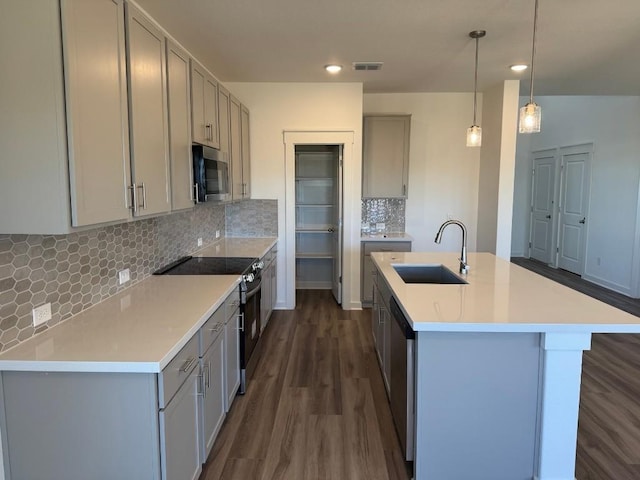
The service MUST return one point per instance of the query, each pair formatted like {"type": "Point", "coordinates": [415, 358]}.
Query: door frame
{"type": "Point", "coordinates": [292, 138]}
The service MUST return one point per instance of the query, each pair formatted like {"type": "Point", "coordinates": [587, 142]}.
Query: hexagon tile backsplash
{"type": "Point", "coordinates": [75, 271]}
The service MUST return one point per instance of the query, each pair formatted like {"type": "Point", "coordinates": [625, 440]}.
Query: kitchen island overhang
{"type": "Point", "coordinates": [498, 367]}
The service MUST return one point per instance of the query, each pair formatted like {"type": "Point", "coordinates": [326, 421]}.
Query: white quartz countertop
{"type": "Point", "coordinates": [238, 247]}
{"type": "Point", "coordinates": [499, 297]}
{"type": "Point", "coordinates": [137, 330]}
{"type": "Point", "coordinates": [386, 237]}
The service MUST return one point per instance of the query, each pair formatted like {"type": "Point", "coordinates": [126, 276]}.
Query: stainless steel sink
{"type": "Point", "coordinates": [427, 274]}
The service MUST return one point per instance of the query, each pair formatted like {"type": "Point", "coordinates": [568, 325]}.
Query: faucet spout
{"type": "Point", "coordinates": [464, 266]}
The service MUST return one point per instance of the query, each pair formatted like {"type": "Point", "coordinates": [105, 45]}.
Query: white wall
{"type": "Point", "coordinates": [611, 123]}
{"type": "Point", "coordinates": [497, 163]}
{"type": "Point", "coordinates": [443, 171]}
{"type": "Point", "coordinates": [276, 107]}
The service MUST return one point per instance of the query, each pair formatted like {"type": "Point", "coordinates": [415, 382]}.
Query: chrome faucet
{"type": "Point", "coordinates": [464, 267]}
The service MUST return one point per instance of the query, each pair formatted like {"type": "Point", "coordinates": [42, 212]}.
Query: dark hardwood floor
{"type": "Point", "coordinates": [609, 421]}
{"type": "Point", "coordinates": [316, 407]}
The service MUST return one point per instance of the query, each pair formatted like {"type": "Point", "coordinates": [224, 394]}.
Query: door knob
{"type": "Point", "coordinates": [549, 216]}
{"type": "Point", "coordinates": [584, 219]}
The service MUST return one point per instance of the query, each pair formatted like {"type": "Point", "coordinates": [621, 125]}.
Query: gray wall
{"type": "Point", "coordinates": [76, 271]}
{"type": "Point", "coordinates": [610, 123]}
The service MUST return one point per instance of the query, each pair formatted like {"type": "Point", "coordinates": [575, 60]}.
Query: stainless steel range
{"type": "Point", "coordinates": [249, 292]}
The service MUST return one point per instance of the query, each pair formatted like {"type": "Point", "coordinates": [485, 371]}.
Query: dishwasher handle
{"type": "Point", "coordinates": [401, 320]}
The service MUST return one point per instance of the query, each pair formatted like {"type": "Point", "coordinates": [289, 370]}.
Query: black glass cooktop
{"type": "Point", "coordinates": [208, 266]}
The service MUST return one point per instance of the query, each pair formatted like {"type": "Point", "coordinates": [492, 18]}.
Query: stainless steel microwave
{"type": "Point", "coordinates": [210, 174]}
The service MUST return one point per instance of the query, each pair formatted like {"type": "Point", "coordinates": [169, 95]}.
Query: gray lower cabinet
{"type": "Point", "coordinates": [368, 269]}
{"type": "Point", "coordinates": [212, 399]}
{"type": "Point", "coordinates": [269, 287]}
{"type": "Point", "coordinates": [105, 426]}
{"type": "Point", "coordinates": [381, 326]}
{"type": "Point", "coordinates": [231, 355]}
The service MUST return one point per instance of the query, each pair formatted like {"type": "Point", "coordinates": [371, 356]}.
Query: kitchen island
{"type": "Point", "coordinates": [497, 367]}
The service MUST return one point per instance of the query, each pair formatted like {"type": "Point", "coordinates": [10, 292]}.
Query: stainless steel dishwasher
{"type": "Point", "coordinates": [402, 378]}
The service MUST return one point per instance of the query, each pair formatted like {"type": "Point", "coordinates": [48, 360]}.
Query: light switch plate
{"type": "Point", "coordinates": [200, 241]}
{"type": "Point", "coordinates": [41, 314]}
{"type": "Point", "coordinates": [217, 233]}
{"type": "Point", "coordinates": [124, 276]}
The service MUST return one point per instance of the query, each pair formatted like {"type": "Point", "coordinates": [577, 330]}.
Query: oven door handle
{"type": "Point", "coordinates": [254, 290]}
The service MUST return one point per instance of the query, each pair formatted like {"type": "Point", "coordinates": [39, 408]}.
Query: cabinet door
{"type": "Point", "coordinates": [211, 111]}
{"type": "Point", "coordinates": [265, 298]}
{"type": "Point", "coordinates": [180, 451]}
{"type": "Point", "coordinates": [376, 325]}
{"type": "Point", "coordinates": [386, 348]}
{"type": "Point", "coordinates": [385, 156]}
{"type": "Point", "coordinates": [212, 401]}
{"type": "Point", "coordinates": [235, 116]}
{"type": "Point", "coordinates": [97, 116]}
{"type": "Point", "coordinates": [246, 153]}
{"type": "Point", "coordinates": [204, 105]}
{"type": "Point", "coordinates": [148, 114]}
{"type": "Point", "coordinates": [224, 99]}
{"type": "Point", "coordinates": [198, 119]}
{"type": "Point", "coordinates": [232, 359]}
{"type": "Point", "coordinates": [179, 99]}
{"type": "Point", "coordinates": [367, 278]}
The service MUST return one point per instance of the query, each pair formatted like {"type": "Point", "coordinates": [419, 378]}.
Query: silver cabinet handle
{"type": "Point", "coordinates": [208, 374]}
{"type": "Point", "coordinates": [207, 128]}
{"type": "Point", "coordinates": [404, 190]}
{"type": "Point", "coordinates": [201, 390]}
{"type": "Point", "coordinates": [187, 364]}
{"type": "Point", "coordinates": [195, 187]}
{"type": "Point", "coordinates": [144, 196]}
{"type": "Point", "coordinates": [241, 317]}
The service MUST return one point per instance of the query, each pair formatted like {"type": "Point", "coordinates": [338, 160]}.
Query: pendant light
{"type": "Point", "coordinates": [530, 114]}
{"type": "Point", "coordinates": [474, 132]}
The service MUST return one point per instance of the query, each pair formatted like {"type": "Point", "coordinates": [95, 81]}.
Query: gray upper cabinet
{"type": "Point", "coordinates": [385, 170]}
{"type": "Point", "coordinates": [179, 98]}
{"type": "Point", "coordinates": [59, 158]}
{"type": "Point", "coordinates": [240, 154]}
{"type": "Point", "coordinates": [148, 115]}
{"type": "Point", "coordinates": [246, 153]}
{"type": "Point", "coordinates": [96, 100]}
{"type": "Point", "coordinates": [204, 106]}
{"type": "Point", "coordinates": [224, 103]}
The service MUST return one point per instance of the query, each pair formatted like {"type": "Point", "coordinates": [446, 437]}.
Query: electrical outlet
{"type": "Point", "coordinates": [41, 314]}
{"type": "Point", "coordinates": [217, 233]}
{"type": "Point", "coordinates": [124, 276]}
{"type": "Point", "coordinates": [200, 241]}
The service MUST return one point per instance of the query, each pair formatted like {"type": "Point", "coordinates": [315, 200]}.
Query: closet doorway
{"type": "Point", "coordinates": [318, 217]}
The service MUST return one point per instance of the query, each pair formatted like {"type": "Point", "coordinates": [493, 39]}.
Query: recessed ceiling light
{"type": "Point", "coordinates": [333, 68]}
{"type": "Point", "coordinates": [519, 67]}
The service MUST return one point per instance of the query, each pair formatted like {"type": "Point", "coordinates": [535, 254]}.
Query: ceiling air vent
{"type": "Point", "coordinates": [367, 65]}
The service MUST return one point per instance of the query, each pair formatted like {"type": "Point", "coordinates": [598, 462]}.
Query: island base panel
{"type": "Point", "coordinates": [476, 405]}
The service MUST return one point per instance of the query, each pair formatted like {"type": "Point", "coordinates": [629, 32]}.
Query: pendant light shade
{"type": "Point", "coordinates": [531, 114]}
{"type": "Point", "coordinates": [474, 132]}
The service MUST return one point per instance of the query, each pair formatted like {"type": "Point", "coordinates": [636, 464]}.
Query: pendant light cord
{"type": "Point", "coordinates": [475, 83]}
{"type": "Point", "coordinates": [533, 49]}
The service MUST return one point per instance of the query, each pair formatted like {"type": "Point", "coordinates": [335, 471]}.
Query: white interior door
{"type": "Point", "coordinates": [336, 284]}
{"type": "Point", "coordinates": [544, 168]}
{"type": "Point", "coordinates": [574, 204]}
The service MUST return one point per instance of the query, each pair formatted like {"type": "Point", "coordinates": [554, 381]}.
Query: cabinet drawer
{"type": "Point", "coordinates": [386, 247]}
{"type": "Point", "coordinates": [212, 328]}
{"type": "Point", "coordinates": [178, 370]}
{"type": "Point", "coordinates": [231, 304]}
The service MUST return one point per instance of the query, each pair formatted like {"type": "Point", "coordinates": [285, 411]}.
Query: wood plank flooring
{"type": "Point", "coordinates": [609, 420]}
{"type": "Point", "coordinates": [316, 407]}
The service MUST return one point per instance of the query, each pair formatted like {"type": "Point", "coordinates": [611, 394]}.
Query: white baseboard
{"type": "Point", "coordinates": [616, 287]}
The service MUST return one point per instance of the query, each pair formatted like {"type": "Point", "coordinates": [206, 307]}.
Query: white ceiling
{"type": "Point", "coordinates": [585, 47]}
